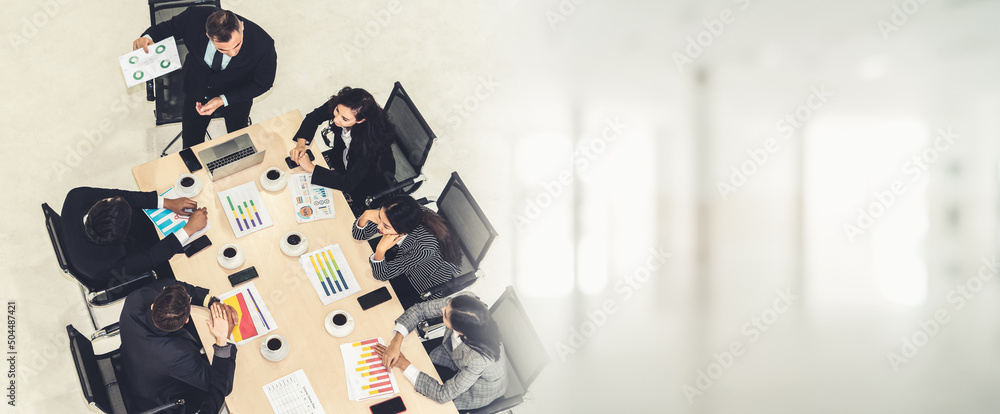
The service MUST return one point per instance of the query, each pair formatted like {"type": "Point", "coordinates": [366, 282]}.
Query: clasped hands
{"type": "Point", "coordinates": [224, 319]}
{"type": "Point", "coordinates": [391, 356]}
{"type": "Point", "coordinates": [197, 217]}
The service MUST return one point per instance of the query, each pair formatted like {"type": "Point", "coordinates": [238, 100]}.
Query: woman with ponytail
{"type": "Point", "coordinates": [470, 358]}
{"type": "Point", "coordinates": [415, 242]}
{"type": "Point", "coordinates": [360, 154]}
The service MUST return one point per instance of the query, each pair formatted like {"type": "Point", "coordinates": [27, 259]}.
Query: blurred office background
{"type": "Point", "coordinates": [706, 206]}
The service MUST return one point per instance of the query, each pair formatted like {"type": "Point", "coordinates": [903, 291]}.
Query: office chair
{"type": "Point", "coordinates": [95, 292]}
{"type": "Point", "coordinates": [99, 374]}
{"type": "Point", "coordinates": [413, 142]}
{"type": "Point", "coordinates": [470, 227]}
{"type": "Point", "coordinates": [167, 91]}
{"type": "Point", "coordinates": [525, 354]}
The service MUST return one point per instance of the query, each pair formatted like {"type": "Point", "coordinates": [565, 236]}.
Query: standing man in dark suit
{"type": "Point", "coordinates": [224, 71]}
{"type": "Point", "coordinates": [161, 357]}
{"type": "Point", "coordinates": [109, 239]}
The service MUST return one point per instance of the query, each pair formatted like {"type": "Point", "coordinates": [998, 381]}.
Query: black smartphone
{"type": "Point", "coordinates": [293, 164]}
{"type": "Point", "coordinates": [391, 406]}
{"type": "Point", "coordinates": [197, 246]}
{"type": "Point", "coordinates": [242, 276]}
{"type": "Point", "coordinates": [375, 297]}
{"type": "Point", "coordinates": [190, 160]}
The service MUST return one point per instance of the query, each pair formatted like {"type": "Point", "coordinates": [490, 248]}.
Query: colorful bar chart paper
{"type": "Point", "coordinates": [366, 376]}
{"type": "Point", "coordinates": [329, 274]}
{"type": "Point", "coordinates": [244, 209]}
{"type": "Point", "coordinates": [167, 222]}
{"type": "Point", "coordinates": [255, 319]}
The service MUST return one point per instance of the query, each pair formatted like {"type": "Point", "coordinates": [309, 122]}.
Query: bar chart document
{"type": "Point", "coordinates": [293, 394]}
{"type": "Point", "coordinates": [329, 274]}
{"type": "Point", "coordinates": [245, 209]}
{"type": "Point", "coordinates": [310, 202]}
{"type": "Point", "coordinates": [139, 66]}
{"type": "Point", "coordinates": [366, 376]}
{"type": "Point", "coordinates": [167, 222]}
{"type": "Point", "coordinates": [255, 319]}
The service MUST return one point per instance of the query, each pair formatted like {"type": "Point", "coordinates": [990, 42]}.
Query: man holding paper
{"type": "Point", "coordinates": [109, 238]}
{"type": "Point", "coordinates": [230, 62]}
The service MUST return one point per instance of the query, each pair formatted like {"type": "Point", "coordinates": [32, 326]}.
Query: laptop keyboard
{"type": "Point", "coordinates": [231, 158]}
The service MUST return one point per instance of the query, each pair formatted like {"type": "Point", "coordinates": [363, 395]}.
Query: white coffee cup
{"type": "Point", "coordinates": [190, 190]}
{"type": "Point", "coordinates": [274, 347]}
{"type": "Point", "coordinates": [231, 261]}
{"type": "Point", "coordinates": [294, 250]}
{"type": "Point", "coordinates": [339, 330]}
{"type": "Point", "coordinates": [276, 184]}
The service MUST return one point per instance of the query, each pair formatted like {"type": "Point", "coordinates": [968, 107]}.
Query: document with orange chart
{"type": "Point", "coordinates": [366, 376]}
{"type": "Point", "coordinates": [255, 319]}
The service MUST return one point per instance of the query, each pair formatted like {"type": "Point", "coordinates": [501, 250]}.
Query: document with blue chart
{"type": "Point", "coordinates": [329, 274]}
{"type": "Point", "coordinates": [310, 202]}
{"type": "Point", "coordinates": [167, 222]}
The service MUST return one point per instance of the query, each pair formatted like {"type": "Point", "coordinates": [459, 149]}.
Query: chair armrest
{"type": "Point", "coordinates": [426, 328]}
{"type": "Point", "coordinates": [150, 94]}
{"type": "Point", "coordinates": [164, 407]}
{"type": "Point", "coordinates": [415, 182]}
{"type": "Point", "coordinates": [452, 286]}
{"type": "Point", "coordinates": [107, 331]}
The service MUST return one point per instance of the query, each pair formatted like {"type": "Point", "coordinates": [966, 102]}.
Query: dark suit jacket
{"type": "Point", "coordinates": [161, 367]}
{"type": "Point", "coordinates": [248, 75]}
{"type": "Point", "coordinates": [131, 257]}
{"type": "Point", "coordinates": [359, 178]}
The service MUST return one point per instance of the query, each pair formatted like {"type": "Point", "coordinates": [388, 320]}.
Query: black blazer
{"type": "Point", "coordinates": [248, 75]}
{"type": "Point", "coordinates": [161, 367]}
{"type": "Point", "coordinates": [131, 257]}
{"type": "Point", "coordinates": [359, 178]}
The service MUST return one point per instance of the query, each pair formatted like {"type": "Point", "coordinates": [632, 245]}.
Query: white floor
{"type": "Point", "coordinates": [809, 111]}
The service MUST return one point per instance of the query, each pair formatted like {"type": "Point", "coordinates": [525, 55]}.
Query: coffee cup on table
{"type": "Point", "coordinates": [187, 185]}
{"type": "Point", "coordinates": [273, 179]}
{"type": "Point", "coordinates": [231, 256]}
{"type": "Point", "coordinates": [274, 348]}
{"type": "Point", "coordinates": [294, 244]}
{"type": "Point", "coordinates": [339, 323]}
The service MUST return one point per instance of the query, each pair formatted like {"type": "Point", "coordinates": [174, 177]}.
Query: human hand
{"type": "Point", "coordinates": [305, 162]}
{"type": "Point", "coordinates": [389, 355]}
{"type": "Point", "coordinates": [218, 324]}
{"type": "Point", "coordinates": [387, 241]}
{"type": "Point", "coordinates": [142, 42]}
{"type": "Point", "coordinates": [368, 215]}
{"type": "Point", "coordinates": [300, 148]}
{"type": "Point", "coordinates": [209, 107]}
{"type": "Point", "coordinates": [197, 221]}
{"type": "Point", "coordinates": [232, 317]}
{"type": "Point", "coordinates": [182, 206]}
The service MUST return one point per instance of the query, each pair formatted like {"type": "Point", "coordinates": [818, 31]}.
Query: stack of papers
{"type": "Point", "coordinates": [366, 376]}
{"type": "Point", "coordinates": [167, 222]}
{"type": "Point", "coordinates": [255, 319]}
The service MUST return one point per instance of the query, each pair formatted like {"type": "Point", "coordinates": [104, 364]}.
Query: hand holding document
{"type": "Point", "coordinates": [150, 62]}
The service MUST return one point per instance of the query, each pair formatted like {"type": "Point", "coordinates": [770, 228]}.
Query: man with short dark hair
{"type": "Point", "coordinates": [224, 71]}
{"type": "Point", "coordinates": [161, 355]}
{"type": "Point", "coordinates": [108, 238]}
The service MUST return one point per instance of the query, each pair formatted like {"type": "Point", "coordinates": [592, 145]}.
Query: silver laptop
{"type": "Point", "coordinates": [230, 157]}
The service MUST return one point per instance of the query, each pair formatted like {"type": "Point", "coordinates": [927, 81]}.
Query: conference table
{"type": "Point", "coordinates": [283, 284]}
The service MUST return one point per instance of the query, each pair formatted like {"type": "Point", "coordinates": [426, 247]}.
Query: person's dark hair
{"type": "Point", "coordinates": [221, 24]}
{"type": "Point", "coordinates": [171, 308]}
{"type": "Point", "coordinates": [479, 331]}
{"type": "Point", "coordinates": [376, 133]}
{"type": "Point", "coordinates": [108, 221]}
{"type": "Point", "coordinates": [404, 214]}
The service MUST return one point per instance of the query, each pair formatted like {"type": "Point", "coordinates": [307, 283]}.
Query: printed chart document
{"type": "Point", "coordinates": [247, 213]}
{"type": "Point", "coordinates": [255, 319]}
{"type": "Point", "coordinates": [366, 376]}
{"type": "Point", "coordinates": [329, 274]}
{"type": "Point", "coordinates": [293, 394]}
{"type": "Point", "coordinates": [139, 66]}
{"type": "Point", "coordinates": [311, 202]}
{"type": "Point", "coordinates": [167, 222]}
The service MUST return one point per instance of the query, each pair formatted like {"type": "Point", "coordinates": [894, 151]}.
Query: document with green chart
{"type": "Point", "coordinates": [245, 209]}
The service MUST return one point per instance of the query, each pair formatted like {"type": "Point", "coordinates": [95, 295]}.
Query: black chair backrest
{"type": "Point", "coordinates": [169, 88]}
{"type": "Point", "coordinates": [413, 136]}
{"type": "Point", "coordinates": [525, 353]}
{"type": "Point", "coordinates": [88, 370]}
{"type": "Point", "coordinates": [470, 225]}
{"type": "Point", "coordinates": [53, 223]}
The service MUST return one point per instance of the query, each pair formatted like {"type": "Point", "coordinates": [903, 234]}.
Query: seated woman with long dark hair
{"type": "Point", "coordinates": [470, 358]}
{"type": "Point", "coordinates": [361, 151]}
{"type": "Point", "coordinates": [415, 242]}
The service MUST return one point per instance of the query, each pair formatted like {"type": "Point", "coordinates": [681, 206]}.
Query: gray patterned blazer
{"type": "Point", "coordinates": [478, 380]}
